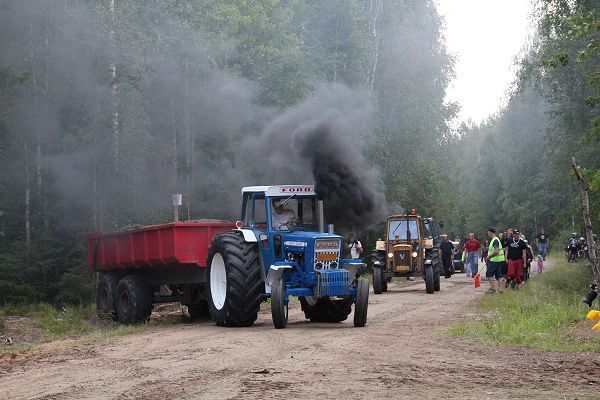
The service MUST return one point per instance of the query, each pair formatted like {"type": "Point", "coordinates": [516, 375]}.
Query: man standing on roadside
{"type": "Point", "coordinates": [516, 257]}
{"type": "Point", "coordinates": [447, 255]}
{"type": "Point", "coordinates": [473, 248]}
{"type": "Point", "coordinates": [495, 261]}
{"type": "Point", "coordinates": [543, 241]}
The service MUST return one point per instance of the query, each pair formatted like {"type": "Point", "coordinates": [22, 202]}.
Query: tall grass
{"type": "Point", "coordinates": [541, 315]}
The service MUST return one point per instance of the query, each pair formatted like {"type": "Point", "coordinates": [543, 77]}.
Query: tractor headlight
{"type": "Point", "coordinates": [391, 255]}
{"type": "Point", "coordinates": [333, 265]}
{"type": "Point", "coordinates": [415, 254]}
{"type": "Point", "coordinates": [319, 265]}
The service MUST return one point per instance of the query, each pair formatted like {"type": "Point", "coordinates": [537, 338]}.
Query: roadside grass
{"type": "Point", "coordinates": [545, 314]}
{"type": "Point", "coordinates": [29, 325]}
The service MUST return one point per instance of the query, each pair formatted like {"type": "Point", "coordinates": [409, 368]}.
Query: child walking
{"type": "Point", "coordinates": [540, 264]}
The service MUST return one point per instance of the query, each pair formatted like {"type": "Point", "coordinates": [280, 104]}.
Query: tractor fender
{"type": "Point", "coordinates": [249, 235]}
{"type": "Point", "coordinates": [353, 266]}
{"type": "Point", "coordinates": [275, 272]}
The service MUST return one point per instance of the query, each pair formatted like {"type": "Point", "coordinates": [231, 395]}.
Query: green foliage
{"type": "Point", "coordinates": [541, 315]}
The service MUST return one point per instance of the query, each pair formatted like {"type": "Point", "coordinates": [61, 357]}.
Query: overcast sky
{"type": "Point", "coordinates": [485, 36]}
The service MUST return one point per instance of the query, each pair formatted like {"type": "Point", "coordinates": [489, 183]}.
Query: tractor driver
{"type": "Point", "coordinates": [282, 218]}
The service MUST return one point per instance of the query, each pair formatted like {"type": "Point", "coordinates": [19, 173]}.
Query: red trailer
{"type": "Point", "coordinates": [160, 263]}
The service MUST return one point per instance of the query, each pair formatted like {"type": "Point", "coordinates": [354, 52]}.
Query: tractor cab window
{"type": "Point", "coordinates": [254, 213]}
{"type": "Point", "coordinates": [290, 212]}
{"type": "Point", "coordinates": [398, 229]}
{"type": "Point", "coordinates": [429, 229]}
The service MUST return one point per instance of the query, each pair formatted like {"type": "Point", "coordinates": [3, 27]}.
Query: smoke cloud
{"type": "Point", "coordinates": [321, 140]}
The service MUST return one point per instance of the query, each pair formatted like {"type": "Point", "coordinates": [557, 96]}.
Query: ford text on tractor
{"type": "Point", "coordinates": [280, 250]}
{"type": "Point", "coordinates": [410, 248]}
{"type": "Point", "coordinates": [225, 271]}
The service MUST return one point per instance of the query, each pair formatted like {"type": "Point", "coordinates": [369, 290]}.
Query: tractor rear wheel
{"type": "Point", "coordinates": [362, 303]}
{"type": "Point", "coordinates": [235, 283]}
{"type": "Point", "coordinates": [429, 281]}
{"type": "Point", "coordinates": [106, 294]}
{"type": "Point", "coordinates": [378, 281]}
{"type": "Point", "coordinates": [279, 308]}
{"type": "Point", "coordinates": [199, 310]}
{"type": "Point", "coordinates": [134, 300]}
{"type": "Point", "coordinates": [327, 310]}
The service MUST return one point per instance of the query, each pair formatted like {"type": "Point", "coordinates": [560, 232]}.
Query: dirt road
{"type": "Point", "coordinates": [401, 353]}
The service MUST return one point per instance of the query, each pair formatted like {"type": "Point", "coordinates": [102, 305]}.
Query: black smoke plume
{"type": "Point", "coordinates": [322, 141]}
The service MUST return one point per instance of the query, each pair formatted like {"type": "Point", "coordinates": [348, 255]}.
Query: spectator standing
{"type": "Point", "coordinates": [354, 245]}
{"type": "Point", "coordinates": [473, 248]}
{"type": "Point", "coordinates": [516, 255]}
{"type": "Point", "coordinates": [495, 260]}
{"type": "Point", "coordinates": [542, 242]}
{"type": "Point", "coordinates": [447, 249]}
{"type": "Point", "coordinates": [484, 250]}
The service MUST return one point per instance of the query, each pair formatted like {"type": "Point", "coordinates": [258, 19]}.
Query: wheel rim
{"type": "Point", "coordinates": [124, 302]}
{"type": "Point", "coordinates": [104, 299]}
{"type": "Point", "coordinates": [218, 281]}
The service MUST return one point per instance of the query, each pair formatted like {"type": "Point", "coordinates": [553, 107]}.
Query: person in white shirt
{"type": "Point", "coordinates": [282, 218]}
{"type": "Point", "coordinates": [354, 245]}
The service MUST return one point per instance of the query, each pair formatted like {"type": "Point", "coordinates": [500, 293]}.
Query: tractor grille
{"type": "Point", "coordinates": [327, 254]}
{"type": "Point", "coordinates": [333, 282]}
{"type": "Point", "coordinates": [402, 260]}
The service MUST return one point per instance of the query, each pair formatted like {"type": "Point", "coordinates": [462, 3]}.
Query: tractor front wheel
{"type": "Point", "coordinates": [362, 303]}
{"type": "Point", "coordinates": [279, 307]}
{"type": "Point", "coordinates": [429, 279]}
{"type": "Point", "coordinates": [378, 280]}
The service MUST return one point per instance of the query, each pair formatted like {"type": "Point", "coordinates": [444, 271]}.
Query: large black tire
{"type": "Point", "coordinates": [327, 310]}
{"type": "Point", "coordinates": [378, 280]}
{"type": "Point", "coordinates": [438, 266]}
{"type": "Point", "coordinates": [429, 285]}
{"type": "Point", "coordinates": [199, 311]}
{"type": "Point", "coordinates": [362, 303]}
{"type": "Point", "coordinates": [279, 309]}
{"type": "Point", "coordinates": [385, 285]}
{"type": "Point", "coordinates": [106, 294]}
{"type": "Point", "coordinates": [243, 284]}
{"type": "Point", "coordinates": [134, 300]}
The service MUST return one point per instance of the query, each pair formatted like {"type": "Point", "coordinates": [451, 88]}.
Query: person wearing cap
{"type": "Point", "coordinates": [354, 246]}
{"type": "Point", "coordinates": [495, 260]}
{"type": "Point", "coordinates": [516, 255]}
{"type": "Point", "coordinates": [282, 218]}
{"type": "Point", "coordinates": [542, 242]}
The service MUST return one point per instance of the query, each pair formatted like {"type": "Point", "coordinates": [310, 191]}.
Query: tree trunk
{"type": "Point", "coordinates": [585, 206]}
{"type": "Point", "coordinates": [27, 202]}
{"type": "Point", "coordinates": [115, 87]}
{"type": "Point", "coordinates": [375, 9]}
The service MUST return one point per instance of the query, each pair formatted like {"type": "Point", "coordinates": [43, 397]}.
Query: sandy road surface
{"type": "Point", "coordinates": [401, 353]}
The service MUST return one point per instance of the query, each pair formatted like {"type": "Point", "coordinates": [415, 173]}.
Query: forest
{"type": "Point", "coordinates": [107, 107]}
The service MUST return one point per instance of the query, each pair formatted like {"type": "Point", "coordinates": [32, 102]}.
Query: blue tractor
{"type": "Point", "coordinates": [281, 249]}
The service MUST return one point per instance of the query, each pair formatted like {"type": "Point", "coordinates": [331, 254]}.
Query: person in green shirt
{"type": "Point", "coordinates": [495, 260]}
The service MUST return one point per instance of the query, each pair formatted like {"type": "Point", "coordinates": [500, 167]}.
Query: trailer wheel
{"type": "Point", "coordinates": [362, 303]}
{"type": "Point", "coordinates": [327, 310]}
{"type": "Point", "coordinates": [199, 310]}
{"type": "Point", "coordinates": [235, 283]}
{"type": "Point", "coordinates": [106, 293]}
{"type": "Point", "coordinates": [134, 300]}
{"type": "Point", "coordinates": [378, 281]}
{"type": "Point", "coordinates": [279, 308]}
{"type": "Point", "coordinates": [429, 279]}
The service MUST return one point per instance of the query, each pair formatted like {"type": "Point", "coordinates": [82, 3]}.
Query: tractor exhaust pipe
{"type": "Point", "coordinates": [330, 229]}
{"type": "Point", "coordinates": [321, 215]}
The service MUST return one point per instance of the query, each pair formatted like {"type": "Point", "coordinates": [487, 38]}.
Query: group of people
{"type": "Point", "coordinates": [508, 256]}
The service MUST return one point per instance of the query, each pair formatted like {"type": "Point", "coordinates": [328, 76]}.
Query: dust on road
{"type": "Point", "coordinates": [401, 353]}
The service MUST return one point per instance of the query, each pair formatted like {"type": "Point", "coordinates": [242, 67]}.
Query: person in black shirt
{"type": "Point", "coordinates": [542, 241]}
{"type": "Point", "coordinates": [447, 250]}
{"type": "Point", "coordinates": [516, 255]}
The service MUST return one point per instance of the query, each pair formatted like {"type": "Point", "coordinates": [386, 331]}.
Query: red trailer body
{"type": "Point", "coordinates": [170, 246]}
